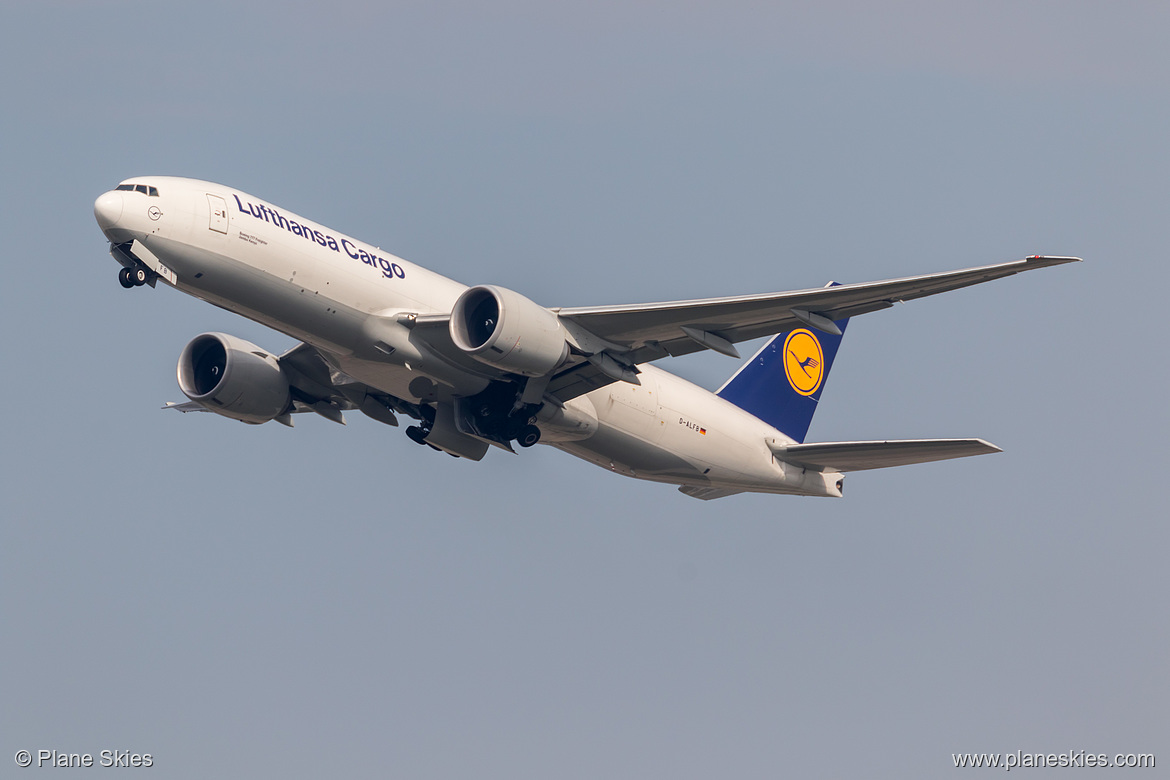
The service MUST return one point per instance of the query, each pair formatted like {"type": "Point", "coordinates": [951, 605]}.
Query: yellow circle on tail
{"type": "Point", "coordinates": [804, 361]}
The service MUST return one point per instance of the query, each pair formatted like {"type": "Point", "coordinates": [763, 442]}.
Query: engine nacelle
{"type": "Point", "coordinates": [504, 329]}
{"type": "Point", "coordinates": [233, 377]}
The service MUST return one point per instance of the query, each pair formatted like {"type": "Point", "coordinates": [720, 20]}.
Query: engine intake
{"type": "Point", "coordinates": [233, 377]}
{"type": "Point", "coordinates": [502, 328]}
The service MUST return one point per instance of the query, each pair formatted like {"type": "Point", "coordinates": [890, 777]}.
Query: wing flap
{"type": "Point", "coordinates": [707, 493]}
{"type": "Point", "coordinates": [186, 406]}
{"type": "Point", "coordinates": [862, 455]}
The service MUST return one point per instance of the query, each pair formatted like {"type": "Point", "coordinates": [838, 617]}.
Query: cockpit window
{"type": "Point", "coordinates": [143, 188]}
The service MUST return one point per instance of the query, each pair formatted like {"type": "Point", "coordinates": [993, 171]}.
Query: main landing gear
{"type": "Point", "coordinates": [497, 415]}
{"type": "Point", "coordinates": [133, 277]}
{"type": "Point", "coordinates": [529, 435]}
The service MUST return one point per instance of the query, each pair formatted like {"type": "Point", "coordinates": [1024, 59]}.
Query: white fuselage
{"type": "Point", "coordinates": [344, 296]}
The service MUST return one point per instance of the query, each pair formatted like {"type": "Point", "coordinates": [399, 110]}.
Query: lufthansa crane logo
{"type": "Point", "coordinates": [804, 361]}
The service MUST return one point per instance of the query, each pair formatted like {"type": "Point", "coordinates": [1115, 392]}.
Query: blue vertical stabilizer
{"type": "Point", "coordinates": [782, 383]}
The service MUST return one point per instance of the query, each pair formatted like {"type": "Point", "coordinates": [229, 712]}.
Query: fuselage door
{"type": "Point", "coordinates": [219, 213]}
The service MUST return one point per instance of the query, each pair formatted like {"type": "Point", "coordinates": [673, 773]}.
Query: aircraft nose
{"type": "Point", "coordinates": [107, 209]}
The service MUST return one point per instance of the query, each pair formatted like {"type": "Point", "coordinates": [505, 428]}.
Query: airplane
{"type": "Point", "coordinates": [483, 366]}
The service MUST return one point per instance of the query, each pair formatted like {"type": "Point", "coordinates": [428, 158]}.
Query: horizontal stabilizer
{"type": "Point", "coordinates": [862, 455]}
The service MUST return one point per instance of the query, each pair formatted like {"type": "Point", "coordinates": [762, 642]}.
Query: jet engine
{"type": "Point", "coordinates": [233, 377]}
{"type": "Point", "coordinates": [504, 329]}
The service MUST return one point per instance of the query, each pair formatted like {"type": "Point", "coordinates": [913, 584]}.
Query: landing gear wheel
{"type": "Point", "coordinates": [124, 278]}
{"type": "Point", "coordinates": [138, 275]}
{"type": "Point", "coordinates": [529, 435]}
{"type": "Point", "coordinates": [417, 434]}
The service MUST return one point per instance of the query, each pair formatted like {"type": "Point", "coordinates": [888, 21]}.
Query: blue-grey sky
{"type": "Point", "coordinates": [327, 600]}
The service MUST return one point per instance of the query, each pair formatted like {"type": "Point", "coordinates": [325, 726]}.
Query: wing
{"type": "Point", "coordinates": [862, 455]}
{"type": "Point", "coordinates": [655, 330]}
{"type": "Point", "coordinates": [639, 333]}
{"type": "Point", "coordinates": [610, 341]}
